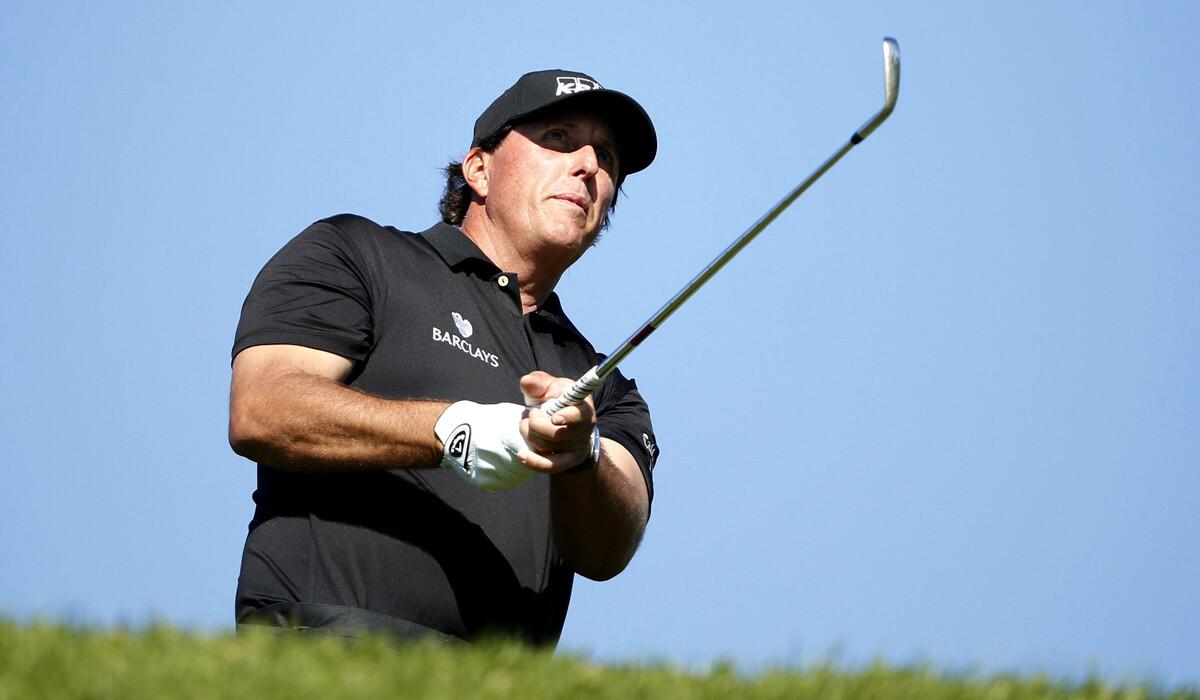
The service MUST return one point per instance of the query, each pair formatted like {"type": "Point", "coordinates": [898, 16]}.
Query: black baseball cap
{"type": "Point", "coordinates": [533, 92]}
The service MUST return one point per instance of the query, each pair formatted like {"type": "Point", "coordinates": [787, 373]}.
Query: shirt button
{"type": "Point", "coordinates": [502, 280]}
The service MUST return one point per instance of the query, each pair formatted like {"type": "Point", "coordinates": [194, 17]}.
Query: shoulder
{"type": "Point", "coordinates": [349, 228]}
{"type": "Point", "coordinates": [353, 224]}
{"type": "Point", "coordinates": [365, 233]}
{"type": "Point", "coordinates": [358, 240]}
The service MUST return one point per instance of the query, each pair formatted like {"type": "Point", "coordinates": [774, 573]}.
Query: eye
{"type": "Point", "coordinates": [557, 135]}
{"type": "Point", "coordinates": [607, 159]}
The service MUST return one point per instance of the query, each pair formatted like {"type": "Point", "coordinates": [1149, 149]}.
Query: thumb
{"type": "Point", "coordinates": [535, 386]}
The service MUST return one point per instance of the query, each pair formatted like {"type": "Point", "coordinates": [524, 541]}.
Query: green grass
{"type": "Point", "coordinates": [56, 661]}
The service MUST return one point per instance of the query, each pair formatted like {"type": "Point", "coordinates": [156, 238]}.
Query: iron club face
{"type": "Point", "coordinates": [891, 89]}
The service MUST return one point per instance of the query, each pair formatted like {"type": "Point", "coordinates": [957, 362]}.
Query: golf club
{"type": "Point", "coordinates": [591, 380]}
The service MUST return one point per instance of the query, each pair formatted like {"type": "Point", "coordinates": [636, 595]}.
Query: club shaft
{"type": "Point", "coordinates": [587, 384]}
{"type": "Point", "coordinates": [590, 381]}
{"type": "Point", "coordinates": [715, 266]}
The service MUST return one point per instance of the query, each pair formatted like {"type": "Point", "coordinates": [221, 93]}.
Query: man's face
{"type": "Point", "coordinates": [552, 180]}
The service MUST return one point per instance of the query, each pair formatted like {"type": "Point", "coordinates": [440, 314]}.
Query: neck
{"type": "Point", "coordinates": [538, 270]}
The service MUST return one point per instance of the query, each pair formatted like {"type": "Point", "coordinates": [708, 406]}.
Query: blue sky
{"type": "Point", "coordinates": [944, 409]}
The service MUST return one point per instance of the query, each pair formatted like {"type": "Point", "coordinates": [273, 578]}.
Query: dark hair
{"type": "Point", "coordinates": [457, 196]}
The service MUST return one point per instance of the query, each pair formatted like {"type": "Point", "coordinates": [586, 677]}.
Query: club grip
{"type": "Point", "coordinates": [579, 391]}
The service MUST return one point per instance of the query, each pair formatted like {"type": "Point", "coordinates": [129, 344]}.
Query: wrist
{"type": "Point", "coordinates": [593, 458]}
{"type": "Point", "coordinates": [480, 443]}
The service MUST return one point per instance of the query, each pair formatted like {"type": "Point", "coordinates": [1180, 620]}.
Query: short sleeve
{"type": "Point", "coordinates": [623, 416]}
{"type": "Point", "coordinates": [315, 292]}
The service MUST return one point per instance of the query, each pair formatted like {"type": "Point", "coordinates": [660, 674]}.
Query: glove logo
{"type": "Point", "coordinates": [458, 447]}
{"type": "Point", "coordinates": [463, 325]}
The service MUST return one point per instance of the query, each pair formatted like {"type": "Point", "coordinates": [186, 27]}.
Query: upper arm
{"type": "Point", "coordinates": [261, 362]}
{"type": "Point", "coordinates": [255, 386]}
{"type": "Point", "coordinates": [624, 419]}
{"type": "Point", "coordinates": [317, 292]}
{"type": "Point", "coordinates": [621, 458]}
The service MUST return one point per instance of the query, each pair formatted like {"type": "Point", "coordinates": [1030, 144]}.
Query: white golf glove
{"type": "Point", "coordinates": [480, 444]}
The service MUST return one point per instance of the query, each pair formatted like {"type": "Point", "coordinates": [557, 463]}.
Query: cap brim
{"type": "Point", "coordinates": [637, 142]}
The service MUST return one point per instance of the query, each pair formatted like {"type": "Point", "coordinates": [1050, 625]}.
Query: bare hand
{"type": "Point", "coordinates": [556, 442]}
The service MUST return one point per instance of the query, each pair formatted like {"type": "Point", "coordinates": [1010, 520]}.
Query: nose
{"type": "Point", "coordinates": [587, 164]}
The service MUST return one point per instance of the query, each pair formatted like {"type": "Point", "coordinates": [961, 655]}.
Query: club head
{"type": "Point", "coordinates": [891, 89]}
{"type": "Point", "coordinates": [891, 73]}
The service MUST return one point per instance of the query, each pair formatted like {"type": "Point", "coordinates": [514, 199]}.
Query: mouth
{"type": "Point", "coordinates": [578, 200]}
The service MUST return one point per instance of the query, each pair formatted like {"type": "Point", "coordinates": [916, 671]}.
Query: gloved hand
{"type": "Point", "coordinates": [480, 444]}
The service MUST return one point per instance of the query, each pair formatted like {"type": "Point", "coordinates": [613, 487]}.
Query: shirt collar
{"type": "Point", "coordinates": [454, 247]}
{"type": "Point", "coordinates": [551, 310]}
{"type": "Point", "coordinates": [458, 252]}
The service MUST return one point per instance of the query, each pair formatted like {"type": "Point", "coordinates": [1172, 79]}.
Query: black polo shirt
{"type": "Point", "coordinates": [421, 316]}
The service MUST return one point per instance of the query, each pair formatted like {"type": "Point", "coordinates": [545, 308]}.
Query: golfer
{"type": "Point", "coordinates": [386, 383]}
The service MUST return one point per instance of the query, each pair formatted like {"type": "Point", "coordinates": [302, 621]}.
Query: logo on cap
{"type": "Point", "coordinates": [569, 85]}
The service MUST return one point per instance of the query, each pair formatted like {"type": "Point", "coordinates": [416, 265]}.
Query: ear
{"type": "Point", "coordinates": [475, 167]}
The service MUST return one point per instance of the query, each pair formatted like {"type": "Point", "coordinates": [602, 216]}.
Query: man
{"type": "Point", "coordinates": [367, 357]}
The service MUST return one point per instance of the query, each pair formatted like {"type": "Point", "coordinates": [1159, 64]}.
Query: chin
{"type": "Point", "coordinates": [571, 237]}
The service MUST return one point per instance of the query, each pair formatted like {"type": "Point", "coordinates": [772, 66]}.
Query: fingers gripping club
{"type": "Point", "coordinates": [578, 393]}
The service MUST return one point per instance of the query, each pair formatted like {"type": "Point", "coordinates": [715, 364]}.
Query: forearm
{"type": "Point", "coordinates": [297, 421]}
{"type": "Point", "coordinates": [600, 515]}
